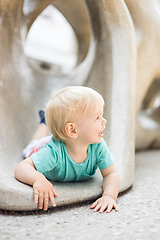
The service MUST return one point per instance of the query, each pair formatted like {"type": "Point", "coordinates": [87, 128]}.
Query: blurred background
{"type": "Point", "coordinates": [51, 42]}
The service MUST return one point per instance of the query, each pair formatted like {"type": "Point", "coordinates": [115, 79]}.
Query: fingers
{"type": "Point", "coordinates": [109, 208]}
{"type": "Point", "coordinates": [40, 200]}
{"type": "Point", "coordinates": [52, 199]}
{"type": "Point", "coordinates": [97, 208]}
{"type": "Point", "coordinates": [54, 192]}
{"type": "Point", "coordinates": [36, 196]}
{"type": "Point", "coordinates": [116, 207]}
{"type": "Point", "coordinates": [102, 206]}
{"type": "Point", "coordinates": [46, 200]}
{"type": "Point", "coordinates": [43, 198]}
{"type": "Point", "coordinates": [93, 205]}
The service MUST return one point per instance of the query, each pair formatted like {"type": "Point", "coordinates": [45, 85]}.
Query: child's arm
{"type": "Point", "coordinates": [43, 189]}
{"type": "Point", "coordinates": [111, 184]}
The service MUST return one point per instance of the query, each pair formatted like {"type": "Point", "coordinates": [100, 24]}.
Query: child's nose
{"type": "Point", "coordinates": [104, 121]}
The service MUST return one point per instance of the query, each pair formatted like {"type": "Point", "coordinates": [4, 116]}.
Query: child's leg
{"type": "Point", "coordinates": [40, 137]}
{"type": "Point", "coordinates": [42, 131]}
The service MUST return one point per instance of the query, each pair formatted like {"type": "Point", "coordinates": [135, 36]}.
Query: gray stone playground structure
{"type": "Point", "coordinates": [119, 56]}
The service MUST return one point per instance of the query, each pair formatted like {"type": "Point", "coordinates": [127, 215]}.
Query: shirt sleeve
{"type": "Point", "coordinates": [105, 157]}
{"type": "Point", "coordinates": [45, 159]}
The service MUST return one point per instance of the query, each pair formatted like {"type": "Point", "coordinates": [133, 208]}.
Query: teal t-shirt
{"type": "Point", "coordinates": [55, 163]}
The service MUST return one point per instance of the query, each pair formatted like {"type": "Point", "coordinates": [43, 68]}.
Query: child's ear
{"type": "Point", "coordinates": [71, 130]}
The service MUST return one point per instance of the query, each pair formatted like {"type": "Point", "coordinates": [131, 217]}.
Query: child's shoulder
{"type": "Point", "coordinates": [100, 145]}
{"type": "Point", "coordinates": [54, 144]}
{"type": "Point", "coordinates": [50, 149]}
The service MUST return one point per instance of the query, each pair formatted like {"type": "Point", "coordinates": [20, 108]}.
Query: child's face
{"type": "Point", "coordinates": [91, 126]}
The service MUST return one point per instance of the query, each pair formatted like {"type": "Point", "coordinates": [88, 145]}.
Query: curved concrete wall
{"type": "Point", "coordinates": [146, 18]}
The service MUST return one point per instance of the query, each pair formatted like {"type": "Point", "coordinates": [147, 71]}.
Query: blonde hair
{"type": "Point", "coordinates": [68, 103]}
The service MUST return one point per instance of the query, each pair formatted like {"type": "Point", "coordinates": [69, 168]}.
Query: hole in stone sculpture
{"type": "Point", "coordinates": [51, 44]}
{"type": "Point", "coordinates": [149, 114]}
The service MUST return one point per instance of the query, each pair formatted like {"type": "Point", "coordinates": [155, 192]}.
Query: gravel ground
{"type": "Point", "coordinates": [138, 216]}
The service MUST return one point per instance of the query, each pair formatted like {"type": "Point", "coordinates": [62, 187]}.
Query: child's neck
{"type": "Point", "coordinates": [77, 152]}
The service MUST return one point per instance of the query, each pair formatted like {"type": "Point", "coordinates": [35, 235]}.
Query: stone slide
{"type": "Point", "coordinates": [107, 62]}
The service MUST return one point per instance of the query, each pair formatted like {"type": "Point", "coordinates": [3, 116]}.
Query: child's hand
{"type": "Point", "coordinates": [104, 203]}
{"type": "Point", "coordinates": [43, 192]}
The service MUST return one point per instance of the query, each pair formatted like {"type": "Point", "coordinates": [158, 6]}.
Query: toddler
{"type": "Point", "coordinates": [76, 148]}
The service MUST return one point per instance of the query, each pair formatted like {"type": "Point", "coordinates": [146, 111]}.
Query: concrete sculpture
{"type": "Point", "coordinates": [146, 19]}
{"type": "Point", "coordinates": [109, 66]}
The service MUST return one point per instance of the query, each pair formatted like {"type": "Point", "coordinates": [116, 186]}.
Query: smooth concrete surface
{"type": "Point", "coordinates": [109, 67]}
{"type": "Point", "coordinates": [138, 217]}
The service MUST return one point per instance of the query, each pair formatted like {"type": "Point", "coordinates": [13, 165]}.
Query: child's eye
{"type": "Point", "coordinates": [97, 117]}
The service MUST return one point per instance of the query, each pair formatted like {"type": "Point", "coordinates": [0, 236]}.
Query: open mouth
{"type": "Point", "coordinates": [100, 134]}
